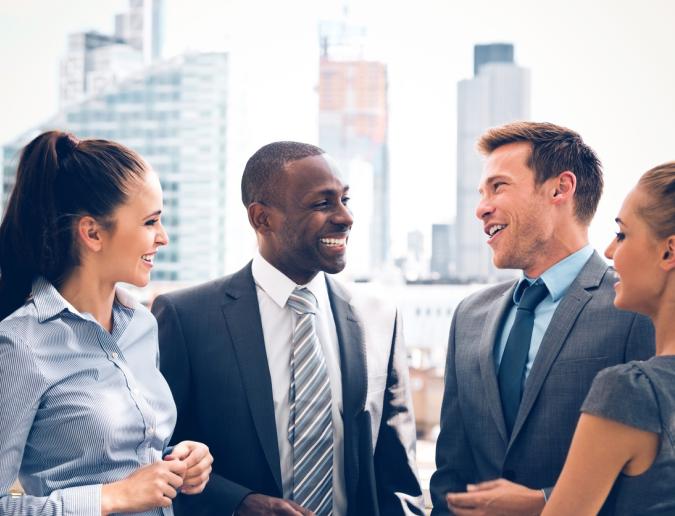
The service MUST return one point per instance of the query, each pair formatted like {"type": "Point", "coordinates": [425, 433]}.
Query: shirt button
{"type": "Point", "coordinates": [151, 430]}
{"type": "Point", "coordinates": [113, 355]}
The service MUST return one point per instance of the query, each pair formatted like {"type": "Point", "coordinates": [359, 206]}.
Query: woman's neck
{"type": "Point", "coordinates": [87, 292]}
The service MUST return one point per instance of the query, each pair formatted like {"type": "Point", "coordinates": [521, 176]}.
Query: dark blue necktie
{"type": "Point", "coordinates": [511, 374]}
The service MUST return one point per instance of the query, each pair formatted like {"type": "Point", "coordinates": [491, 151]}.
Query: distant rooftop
{"type": "Point", "coordinates": [491, 53]}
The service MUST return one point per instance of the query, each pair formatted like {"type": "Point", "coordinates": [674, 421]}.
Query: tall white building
{"type": "Point", "coordinates": [174, 114]}
{"type": "Point", "coordinates": [94, 60]}
{"type": "Point", "coordinates": [498, 93]}
{"type": "Point", "coordinates": [142, 27]}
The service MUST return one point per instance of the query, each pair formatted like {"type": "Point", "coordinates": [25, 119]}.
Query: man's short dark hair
{"type": "Point", "coordinates": [554, 150]}
{"type": "Point", "coordinates": [262, 170]}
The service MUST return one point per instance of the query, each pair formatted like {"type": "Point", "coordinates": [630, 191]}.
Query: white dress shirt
{"type": "Point", "coordinates": [278, 322]}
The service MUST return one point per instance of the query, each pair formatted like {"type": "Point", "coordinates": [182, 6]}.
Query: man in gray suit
{"type": "Point", "coordinates": [522, 354]}
{"type": "Point", "coordinates": [298, 386]}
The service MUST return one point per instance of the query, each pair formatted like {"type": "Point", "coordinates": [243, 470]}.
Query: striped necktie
{"type": "Point", "coordinates": [310, 423]}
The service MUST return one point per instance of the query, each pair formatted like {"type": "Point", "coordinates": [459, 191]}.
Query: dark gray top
{"type": "Point", "coordinates": [641, 395]}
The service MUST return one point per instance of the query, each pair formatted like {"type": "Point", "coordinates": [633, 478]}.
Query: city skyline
{"type": "Point", "coordinates": [604, 69]}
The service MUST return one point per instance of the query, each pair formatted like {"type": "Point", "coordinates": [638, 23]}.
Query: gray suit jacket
{"type": "Point", "coordinates": [587, 334]}
{"type": "Point", "coordinates": [213, 356]}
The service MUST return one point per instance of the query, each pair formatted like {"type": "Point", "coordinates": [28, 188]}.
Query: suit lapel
{"type": "Point", "coordinates": [488, 342]}
{"type": "Point", "coordinates": [561, 324]}
{"type": "Point", "coordinates": [353, 374]}
{"type": "Point", "coordinates": [242, 315]}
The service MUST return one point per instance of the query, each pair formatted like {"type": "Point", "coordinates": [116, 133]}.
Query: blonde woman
{"type": "Point", "coordinates": [625, 439]}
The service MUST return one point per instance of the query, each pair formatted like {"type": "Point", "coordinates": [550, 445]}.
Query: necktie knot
{"type": "Point", "coordinates": [532, 296]}
{"type": "Point", "coordinates": [302, 301]}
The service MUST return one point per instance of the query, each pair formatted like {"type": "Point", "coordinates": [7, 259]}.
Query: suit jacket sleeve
{"type": "Point", "coordinates": [398, 489]}
{"type": "Point", "coordinates": [221, 496]}
{"type": "Point", "coordinates": [640, 341]}
{"type": "Point", "coordinates": [455, 467]}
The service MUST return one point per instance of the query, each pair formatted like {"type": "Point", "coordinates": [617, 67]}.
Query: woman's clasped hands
{"type": "Point", "coordinates": [186, 470]}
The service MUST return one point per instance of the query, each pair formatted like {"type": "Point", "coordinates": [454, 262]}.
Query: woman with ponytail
{"type": "Point", "coordinates": [85, 415]}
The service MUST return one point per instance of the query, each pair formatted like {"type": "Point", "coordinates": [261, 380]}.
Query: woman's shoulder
{"type": "Point", "coordinates": [625, 393]}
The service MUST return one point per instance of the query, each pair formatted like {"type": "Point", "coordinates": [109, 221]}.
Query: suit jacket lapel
{"type": "Point", "coordinates": [354, 377]}
{"type": "Point", "coordinates": [242, 315]}
{"type": "Point", "coordinates": [488, 342]}
{"type": "Point", "coordinates": [562, 322]}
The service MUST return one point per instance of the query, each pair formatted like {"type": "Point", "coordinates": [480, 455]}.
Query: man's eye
{"type": "Point", "coordinates": [321, 204]}
{"type": "Point", "coordinates": [345, 200]}
{"type": "Point", "coordinates": [497, 185]}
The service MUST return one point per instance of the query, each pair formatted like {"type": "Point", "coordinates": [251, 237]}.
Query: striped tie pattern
{"type": "Point", "coordinates": [310, 424]}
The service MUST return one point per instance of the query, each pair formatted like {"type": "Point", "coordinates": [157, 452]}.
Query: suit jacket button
{"type": "Point", "coordinates": [510, 475]}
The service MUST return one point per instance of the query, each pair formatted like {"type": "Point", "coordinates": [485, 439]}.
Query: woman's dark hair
{"type": "Point", "coordinates": [59, 179]}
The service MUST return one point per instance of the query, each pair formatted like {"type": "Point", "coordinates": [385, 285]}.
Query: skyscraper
{"type": "Point", "coordinates": [498, 93]}
{"type": "Point", "coordinates": [94, 60]}
{"type": "Point", "coordinates": [173, 114]}
{"type": "Point", "coordinates": [442, 252]}
{"type": "Point", "coordinates": [142, 27]}
{"type": "Point", "coordinates": [353, 124]}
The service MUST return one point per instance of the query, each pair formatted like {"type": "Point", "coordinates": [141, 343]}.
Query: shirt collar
{"type": "Point", "coordinates": [49, 302]}
{"type": "Point", "coordinates": [560, 276]}
{"type": "Point", "coordinates": [279, 286]}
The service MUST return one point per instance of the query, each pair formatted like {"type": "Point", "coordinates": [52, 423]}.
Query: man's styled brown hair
{"type": "Point", "coordinates": [555, 149]}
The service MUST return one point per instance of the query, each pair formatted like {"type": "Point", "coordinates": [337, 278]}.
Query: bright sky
{"type": "Point", "coordinates": [604, 68]}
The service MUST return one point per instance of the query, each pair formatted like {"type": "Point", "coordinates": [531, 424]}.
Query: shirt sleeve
{"type": "Point", "coordinates": [21, 388]}
{"type": "Point", "coordinates": [625, 394]}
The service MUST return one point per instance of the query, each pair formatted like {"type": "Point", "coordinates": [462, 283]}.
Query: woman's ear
{"type": "Point", "coordinates": [668, 257]}
{"type": "Point", "coordinates": [89, 233]}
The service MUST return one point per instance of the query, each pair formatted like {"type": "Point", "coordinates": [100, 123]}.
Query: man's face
{"type": "Point", "coordinates": [310, 221]}
{"type": "Point", "coordinates": [515, 214]}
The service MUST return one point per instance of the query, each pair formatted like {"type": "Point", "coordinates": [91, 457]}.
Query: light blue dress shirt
{"type": "Point", "coordinates": [557, 279]}
{"type": "Point", "coordinates": [79, 407]}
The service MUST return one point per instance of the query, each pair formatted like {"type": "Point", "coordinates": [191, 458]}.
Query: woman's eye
{"type": "Point", "coordinates": [151, 222]}
{"type": "Point", "coordinates": [620, 236]}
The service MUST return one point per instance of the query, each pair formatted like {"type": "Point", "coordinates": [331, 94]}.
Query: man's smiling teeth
{"type": "Point", "coordinates": [333, 242]}
{"type": "Point", "coordinates": [493, 229]}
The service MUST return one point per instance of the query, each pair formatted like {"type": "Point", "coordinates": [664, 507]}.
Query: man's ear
{"type": "Point", "coordinates": [563, 187]}
{"type": "Point", "coordinates": [90, 233]}
{"type": "Point", "coordinates": [260, 217]}
{"type": "Point", "coordinates": [668, 257]}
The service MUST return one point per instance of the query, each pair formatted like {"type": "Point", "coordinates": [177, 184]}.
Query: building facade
{"type": "Point", "coordinates": [174, 114]}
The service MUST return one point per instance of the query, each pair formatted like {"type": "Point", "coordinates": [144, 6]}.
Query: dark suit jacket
{"type": "Point", "coordinates": [213, 356]}
{"type": "Point", "coordinates": [587, 334]}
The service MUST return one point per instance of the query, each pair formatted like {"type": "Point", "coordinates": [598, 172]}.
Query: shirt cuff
{"type": "Point", "coordinates": [547, 493]}
{"type": "Point", "coordinates": [82, 500]}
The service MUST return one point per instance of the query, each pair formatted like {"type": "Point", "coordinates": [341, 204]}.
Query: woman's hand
{"type": "Point", "coordinates": [198, 460]}
{"type": "Point", "coordinates": [148, 487]}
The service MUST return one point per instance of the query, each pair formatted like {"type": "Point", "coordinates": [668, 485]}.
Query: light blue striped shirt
{"type": "Point", "coordinates": [79, 407]}
{"type": "Point", "coordinates": [557, 279]}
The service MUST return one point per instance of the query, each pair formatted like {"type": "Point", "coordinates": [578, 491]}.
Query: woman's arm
{"type": "Point", "coordinates": [600, 450]}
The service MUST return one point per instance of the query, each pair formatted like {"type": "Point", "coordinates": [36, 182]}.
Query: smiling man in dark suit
{"type": "Point", "coordinates": [522, 354]}
{"type": "Point", "coordinates": [299, 388]}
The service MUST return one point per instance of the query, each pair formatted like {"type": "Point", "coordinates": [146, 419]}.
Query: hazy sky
{"type": "Point", "coordinates": [604, 68]}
